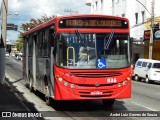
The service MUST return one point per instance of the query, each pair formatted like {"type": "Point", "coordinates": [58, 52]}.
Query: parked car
{"type": "Point", "coordinates": [18, 56]}
{"type": "Point", "coordinates": [147, 69]}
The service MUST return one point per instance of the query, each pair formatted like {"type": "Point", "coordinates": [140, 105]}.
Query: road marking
{"type": "Point", "coordinates": [143, 106]}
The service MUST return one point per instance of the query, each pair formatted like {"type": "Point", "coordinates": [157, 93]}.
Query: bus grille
{"type": "Point", "coordinates": [95, 74]}
{"type": "Point", "coordinates": [88, 94]}
{"type": "Point", "coordinates": [93, 85]}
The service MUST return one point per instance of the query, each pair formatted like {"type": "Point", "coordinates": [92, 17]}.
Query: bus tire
{"type": "Point", "coordinates": [108, 103]}
{"type": "Point", "coordinates": [30, 84]}
{"type": "Point", "coordinates": [47, 97]}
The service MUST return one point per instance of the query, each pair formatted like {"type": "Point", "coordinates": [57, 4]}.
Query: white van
{"type": "Point", "coordinates": [147, 69]}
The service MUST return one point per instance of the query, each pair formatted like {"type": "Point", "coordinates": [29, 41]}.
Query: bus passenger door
{"type": "Point", "coordinates": [51, 37]}
{"type": "Point", "coordinates": [26, 64]}
{"type": "Point", "coordinates": [34, 61]}
{"type": "Point", "coordinates": [51, 70]}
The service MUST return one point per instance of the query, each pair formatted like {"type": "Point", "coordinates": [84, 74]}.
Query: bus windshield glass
{"type": "Point", "coordinates": [93, 50]}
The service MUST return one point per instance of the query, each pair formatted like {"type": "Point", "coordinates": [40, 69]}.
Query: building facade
{"type": "Point", "coordinates": [137, 11]}
{"type": "Point", "coordinates": [156, 38]}
{"type": "Point", "coordinates": [100, 6]}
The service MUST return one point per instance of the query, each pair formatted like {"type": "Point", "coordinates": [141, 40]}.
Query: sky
{"type": "Point", "coordinates": [36, 8]}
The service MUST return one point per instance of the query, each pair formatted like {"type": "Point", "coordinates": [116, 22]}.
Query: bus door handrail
{"type": "Point", "coordinates": [85, 54]}
{"type": "Point", "coordinates": [68, 60]}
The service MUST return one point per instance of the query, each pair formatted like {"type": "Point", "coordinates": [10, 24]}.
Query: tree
{"type": "Point", "coordinates": [19, 43]}
{"type": "Point", "coordinates": [35, 22]}
{"type": "Point", "coordinates": [31, 24]}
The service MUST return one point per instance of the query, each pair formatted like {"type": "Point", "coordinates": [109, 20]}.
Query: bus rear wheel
{"type": "Point", "coordinates": [30, 84]}
{"type": "Point", "coordinates": [47, 98]}
{"type": "Point", "coordinates": [108, 102]}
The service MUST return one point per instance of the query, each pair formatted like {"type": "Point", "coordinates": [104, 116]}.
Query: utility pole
{"type": "Point", "coordinates": [152, 29]}
{"type": "Point", "coordinates": [3, 40]}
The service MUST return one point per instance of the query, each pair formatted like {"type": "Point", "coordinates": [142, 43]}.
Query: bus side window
{"type": "Point", "coordinates": [30, 48]}
{"type": "Point", "coordinates": [45, 43]}
{"type": "Point", "coordinates": [51, 36]}
{"type": "Point", "coordinates": [39, 44]}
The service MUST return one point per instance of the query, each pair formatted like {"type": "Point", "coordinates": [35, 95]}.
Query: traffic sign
{"type": "Point", "coordinates": [11, 26]}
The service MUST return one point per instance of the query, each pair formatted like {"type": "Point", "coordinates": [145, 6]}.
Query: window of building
{"type": "Point", "coordinates": [96, 5]}
{"type": "Point", "coordinates": [142, 16]}
{"type": "Point", "coordinates": [123, 15]}
{"type": "Point", "coordinates": [93, 8]}
{"type": "Point", "coordinates": [116, 1]}
{"type": "Point", "coordinates": [156, 26]}
{"type": "Point", "coordinates": [101, 4]}
{"type": "Point", "coordinates": [136, 16]}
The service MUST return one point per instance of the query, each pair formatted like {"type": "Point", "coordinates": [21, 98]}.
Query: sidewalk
{"type": "Point", "coordinates": [9, 101]}
{"type": "Point", "coordinates": [12, 103]}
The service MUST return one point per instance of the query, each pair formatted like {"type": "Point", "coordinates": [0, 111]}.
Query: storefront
{"type": "Point", "coordinates": [156, 44]}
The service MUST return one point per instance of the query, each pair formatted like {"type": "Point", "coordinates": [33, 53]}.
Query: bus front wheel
{"type": "Point", "coordinates": [108, 102]}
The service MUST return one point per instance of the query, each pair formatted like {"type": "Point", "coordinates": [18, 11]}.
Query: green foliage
{"type": "Point", "coordinates": [27, 26]}
{"type": "Point", "coordinates": [19, 43]}
{"type": "Point", "coordinates": [35, 22]}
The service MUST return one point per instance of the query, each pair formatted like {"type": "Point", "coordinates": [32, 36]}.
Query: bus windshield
{"type": "Point", "coordinates": [93, 50]}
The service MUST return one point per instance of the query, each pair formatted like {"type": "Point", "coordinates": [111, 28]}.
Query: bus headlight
{"type": "Point", "coordinates": [124, 82]}
{"type": "Point", "coordinates": [72, 86]}
{"type": "Point", "coordinates": [65, 83]}
{"type": "Point", "coordinates": [128, 78]}
{"type": "Point", "coordinates": [119, 84]}
{"type": "Point", "coordinates": [60, 79]}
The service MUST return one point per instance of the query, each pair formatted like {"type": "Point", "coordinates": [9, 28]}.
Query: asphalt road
{"type": "Point", "coordinates": [145, 97]}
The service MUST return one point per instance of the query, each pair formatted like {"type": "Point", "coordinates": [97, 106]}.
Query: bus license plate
{"type": "Point", "coordinates": [96, 93]}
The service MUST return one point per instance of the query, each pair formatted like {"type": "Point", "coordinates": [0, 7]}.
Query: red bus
{"type": "Point", "coordinates": [79, 57]}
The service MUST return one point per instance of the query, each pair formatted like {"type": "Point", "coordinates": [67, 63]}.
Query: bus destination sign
{"type": "Point", "coordinates": [93, 23]}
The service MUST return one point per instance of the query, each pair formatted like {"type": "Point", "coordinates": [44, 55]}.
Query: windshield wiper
{"type": "Point", "coordinates": [78, 34]}
{"type": "Point", "coordinates": [106, 45]}
{"type": "Point", "coordinates": [83, 44]}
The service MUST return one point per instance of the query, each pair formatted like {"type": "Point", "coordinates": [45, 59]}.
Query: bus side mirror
{"type": "Point", "coordinates": [133, 66]}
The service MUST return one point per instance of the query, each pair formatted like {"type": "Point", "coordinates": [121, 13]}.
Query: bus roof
{"type": "Point", "coordinates": [50, 22]}
{"type": "Point", "coordinates": [91, 15]}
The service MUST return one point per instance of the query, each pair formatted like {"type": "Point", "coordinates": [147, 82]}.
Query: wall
{"type": "Point", "coordinates": [128, 8]}
{"type": "Point", "coordinates": [156, 50]}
